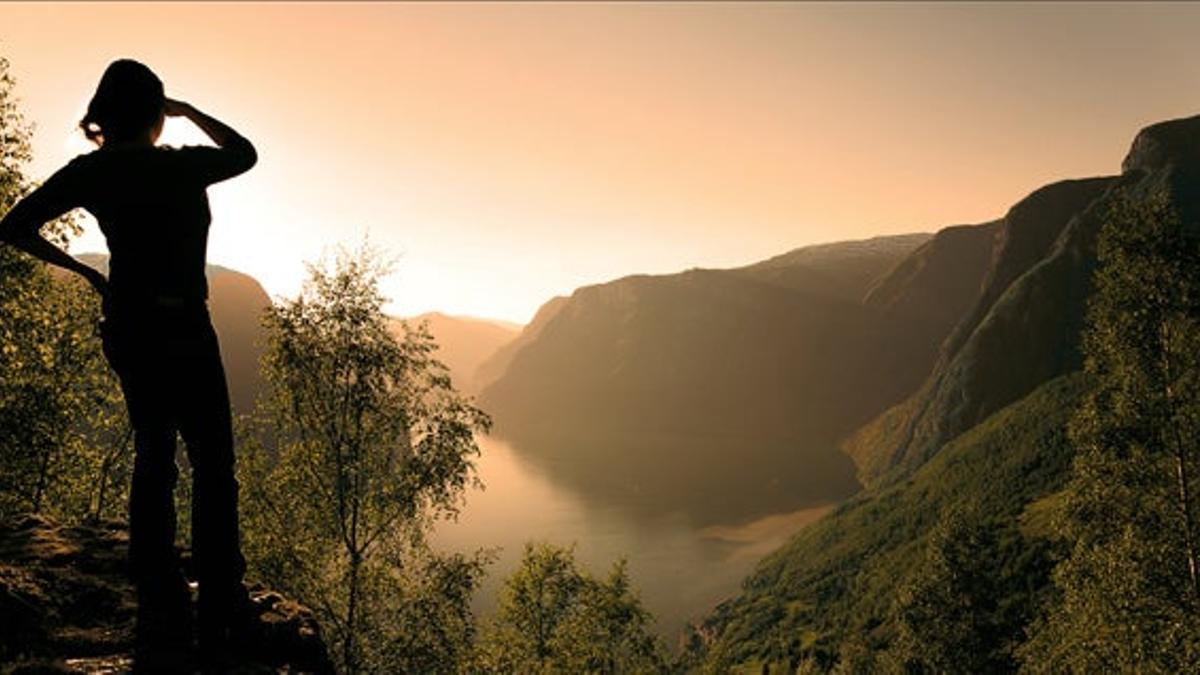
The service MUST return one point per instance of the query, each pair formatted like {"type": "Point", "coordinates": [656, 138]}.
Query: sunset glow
{"type": "Point", "coordinates": [506, 153]}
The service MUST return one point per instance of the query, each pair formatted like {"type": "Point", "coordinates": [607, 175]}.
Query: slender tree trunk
{"type": "Point", "coordinates": [351, 617]}
{"type": "Point", "coordinates": [43, 477]}
{"type": "Point", "coordinates": [1184, 505]}
{"type": "Point", "coordinates": [355, 563]}
{"type": "Point", "coordinates": [105, 467]}
{"type": "Point", "coordinates": [1181, 472]}
{"type": "Point", "coordinates": [102, 484]}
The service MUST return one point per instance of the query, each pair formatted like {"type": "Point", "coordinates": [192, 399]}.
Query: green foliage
{"type": "Point", "coordinates": [63, 436]}
{"type": "Point", "coordinates": [555, 618]}
{"type": "Point", "coordinates": [945, 610]}
{"type": "Point", "coordinates": [370, 445]}
{"type": "Point", "coordinates": [828, 598]}
{"type": "Point", "coordinates": [1127, 593]}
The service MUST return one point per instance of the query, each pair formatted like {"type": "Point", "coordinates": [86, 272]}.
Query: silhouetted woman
{"type": "Point", "coordinates": [152, 207]}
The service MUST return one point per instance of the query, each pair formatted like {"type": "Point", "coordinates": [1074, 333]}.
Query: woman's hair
{"type": "Point", "coordinates": [128, 101]}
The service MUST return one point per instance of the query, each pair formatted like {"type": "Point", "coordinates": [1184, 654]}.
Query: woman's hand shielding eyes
{"type": "Point", "coordinates": [174, 108]}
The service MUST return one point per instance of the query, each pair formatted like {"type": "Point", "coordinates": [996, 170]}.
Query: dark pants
{"type": "Point", "coordinates": [169, 364]}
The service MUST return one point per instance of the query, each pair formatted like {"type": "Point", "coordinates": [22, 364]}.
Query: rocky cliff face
{"type": "Point", "coordinates": [1169, 143]}
{"type": "Point", "coordinates": [1024, 328]}
{"type": "Point", "coordinates": [66, 607]}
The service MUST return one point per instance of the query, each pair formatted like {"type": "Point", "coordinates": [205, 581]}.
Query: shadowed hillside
{"type": "Point", "coordinates": [1024, 328]}
{"type": "Point", "coordinates": [237, 302]}
{"type": "Point", "coordinates": [835, 580]}
{"type": "Point", "coordinates": [985, 434]}
{"type": "Point", "coordinates": [493, 367]}
{"type": "Point", "coordinates": [662, 392]}
{"type": "Point", "coordinates": [940, 280]}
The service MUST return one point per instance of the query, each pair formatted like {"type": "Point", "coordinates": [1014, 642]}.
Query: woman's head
{"type": "Point", "coordinates": [127, 104]}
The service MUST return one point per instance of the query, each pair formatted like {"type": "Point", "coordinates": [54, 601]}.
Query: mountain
{"type": "Point", "coordinates": [1019, 332]}
{"type": "Point", "coordinates": [661, 392]}
{"type": "Point", "coordinates": [236, 302]}
{"type": "Point", "coordinates": [464, 343]}
{"type": "Point", "coordinates": [67, 606]}
{"type": "Point", "coordinates": [984, 434]}
{"type": "Point", "coordinates": [493, 367]}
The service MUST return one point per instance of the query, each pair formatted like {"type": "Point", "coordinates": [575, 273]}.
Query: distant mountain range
{"type": "Point", "coordinates": [464, 343]}
{"type": "Point", "coordinates": [237, 302]}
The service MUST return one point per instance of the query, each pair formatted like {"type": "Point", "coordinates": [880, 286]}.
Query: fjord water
{"type": "Point", "coordinates": [682, 569]}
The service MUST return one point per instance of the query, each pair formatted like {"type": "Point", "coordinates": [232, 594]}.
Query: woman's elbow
{"type": "Point", "coordinates": [14, 227]}
{"type": "Point", "coordinates": [249, 155]}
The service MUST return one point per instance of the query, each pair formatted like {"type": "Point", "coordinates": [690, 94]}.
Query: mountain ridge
{"type": "Point", "coordinates": [951, 399]}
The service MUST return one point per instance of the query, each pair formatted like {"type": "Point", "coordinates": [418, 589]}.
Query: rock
{"type": "Point", "coordinates": [66, 606]}
{"type": "Point", "coordinates": [1165, 143]}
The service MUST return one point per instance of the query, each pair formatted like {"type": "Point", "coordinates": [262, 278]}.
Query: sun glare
{"type": "Point", "coordinates": [175, 132]}
{"type": "Point", "coordinates": [179, 132]}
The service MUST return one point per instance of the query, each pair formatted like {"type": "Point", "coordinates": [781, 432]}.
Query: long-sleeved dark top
{"type": "Point", "coordinates": [152, 206]}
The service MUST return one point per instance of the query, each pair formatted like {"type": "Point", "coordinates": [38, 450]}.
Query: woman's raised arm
{"type": "Point", "coordinates": [238, 152]}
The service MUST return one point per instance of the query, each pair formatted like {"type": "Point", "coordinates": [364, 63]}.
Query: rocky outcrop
{"type": "Point", "coordinates": [1173, 142]}
{"type": "Point", "coordinates": [67, 607]}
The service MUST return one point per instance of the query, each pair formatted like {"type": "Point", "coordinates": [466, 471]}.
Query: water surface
{"type": "Point", "coordinates": [682, 569]}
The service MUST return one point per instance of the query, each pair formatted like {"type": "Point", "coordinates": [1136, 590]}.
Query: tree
{"type": "Point", "coordinates": [1126, 593]}
{"type": "Point", "coordinates": [361, 444]}
{"type": "Point", "coordinates": [944, 612]}
{"type": "Point", "coordinates": [63, 435]}
{"type": "Point", "coordinates": [555, 618]}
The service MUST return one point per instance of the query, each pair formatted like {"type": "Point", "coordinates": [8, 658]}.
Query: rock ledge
{"type": "Point", "coordinates": [66, 606]}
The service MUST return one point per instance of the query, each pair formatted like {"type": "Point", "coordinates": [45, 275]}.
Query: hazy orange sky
{"type": "Point", "coordinates": [510, 152]}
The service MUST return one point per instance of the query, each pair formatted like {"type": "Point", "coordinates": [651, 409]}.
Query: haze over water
{"type": "Point", "coordinates": [680, 569]}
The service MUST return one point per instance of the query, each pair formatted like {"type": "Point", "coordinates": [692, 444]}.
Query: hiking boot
{"type": "Point", "coordinates": [227, 623]}
{"type": "Point", "coordinates": [163, 628]}
{"type": "Point", "coordinates": [160, 659]}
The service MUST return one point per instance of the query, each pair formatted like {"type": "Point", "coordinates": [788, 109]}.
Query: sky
{"type": "Point", "coordinates": [503, 154]}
